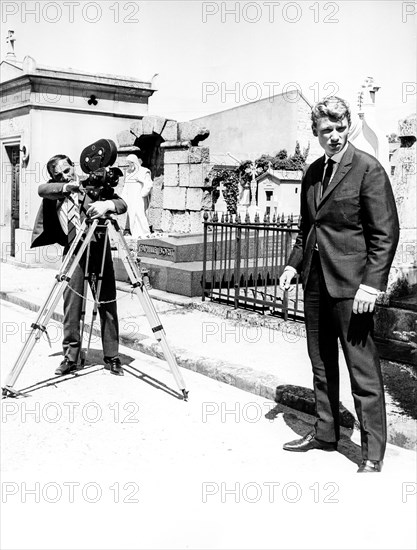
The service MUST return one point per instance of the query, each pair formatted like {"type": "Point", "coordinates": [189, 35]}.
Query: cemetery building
{"type": "Point", "coordinates": [47, 111]}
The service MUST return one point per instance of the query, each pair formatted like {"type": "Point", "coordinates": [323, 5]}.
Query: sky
{"type": "Point", "coordinates": [211, 56]}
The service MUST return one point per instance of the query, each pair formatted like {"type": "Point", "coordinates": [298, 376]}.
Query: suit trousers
{"type": "Point", "coordinates": [327, 321]}
{"type": "Point", "coordinates": [107, 311]}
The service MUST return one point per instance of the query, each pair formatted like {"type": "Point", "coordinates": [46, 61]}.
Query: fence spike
{"type": "Point", "coordinates": [205, 216]}
{"type": "Point", "coordinates": [222, 218]}
{"type": "Point", "coordinates": [215, 217]}
{"type": "Point", "coordinates": [247, 217]}
{"type": "Point", "coordinates": [257, 217]}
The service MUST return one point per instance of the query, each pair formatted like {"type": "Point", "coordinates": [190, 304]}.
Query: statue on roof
{"type": "Point", "coordinates": [10, 39]}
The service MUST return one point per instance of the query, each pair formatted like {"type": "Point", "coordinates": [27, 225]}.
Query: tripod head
{"type": "Point", "coordinates": [96, 160]}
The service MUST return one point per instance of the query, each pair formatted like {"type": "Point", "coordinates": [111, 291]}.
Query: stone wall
{"type": "Point", "coordinates": [404, 267]}
{"type": "Point", "coordinates": [180, 168]}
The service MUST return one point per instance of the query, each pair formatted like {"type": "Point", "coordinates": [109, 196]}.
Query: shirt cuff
{"type": "Point", "coordinates": [369, 289]}
{"type": "Point", "coordinates": [290, 268]}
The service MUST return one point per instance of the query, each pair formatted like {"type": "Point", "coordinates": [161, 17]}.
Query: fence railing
{"type": "Point", "coordinates": [243, 261]}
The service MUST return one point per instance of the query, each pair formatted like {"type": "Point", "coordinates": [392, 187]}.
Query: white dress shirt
{"type": "Point", "coordinates": [63, 210]}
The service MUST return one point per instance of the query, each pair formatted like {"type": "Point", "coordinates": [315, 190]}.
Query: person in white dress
{"type": "Point", "coordinates": [137, 194]}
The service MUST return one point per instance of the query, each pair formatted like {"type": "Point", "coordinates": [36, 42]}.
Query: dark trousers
{"type": "Point", "coordinates": [327, 320]}
{"type": "Point", "coordinates": [107, 311]}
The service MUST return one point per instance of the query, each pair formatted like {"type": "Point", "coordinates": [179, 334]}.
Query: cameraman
{"type": "Point", "coordinates": [63, 209]}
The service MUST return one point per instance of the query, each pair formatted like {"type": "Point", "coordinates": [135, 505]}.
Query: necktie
{"type": "Point", "coordinates": [73, 216]}
{"type": "Point", "coordinates": [327, 176]}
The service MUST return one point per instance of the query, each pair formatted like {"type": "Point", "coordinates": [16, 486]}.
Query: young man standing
{"type": "Point", "coordinates": [347, 240]}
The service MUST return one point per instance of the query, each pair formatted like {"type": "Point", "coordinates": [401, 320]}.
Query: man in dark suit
{"type": "Point", "coordinates": [347, 240]}
{"type": "Point", "coordinates": [63, 208]}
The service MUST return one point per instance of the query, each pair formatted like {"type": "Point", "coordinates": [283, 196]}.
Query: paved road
{"type": "Point", "coordinates": [98, 461]}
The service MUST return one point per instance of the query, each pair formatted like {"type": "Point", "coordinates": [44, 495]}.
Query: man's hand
{"type": "Point", "coordinates": [99, 209]}
{"type": "Point", "coordinates": [286, 278]}
{"type": "Point", "coordinates": [364, 302]}
{"type": "Point", "coordinates": [71, 187]}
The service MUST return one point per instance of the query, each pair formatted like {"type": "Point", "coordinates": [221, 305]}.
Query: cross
{"type": "Point", "coordinates": [253, 172]}
{"type": "Point", "coordinates": [11, 40]}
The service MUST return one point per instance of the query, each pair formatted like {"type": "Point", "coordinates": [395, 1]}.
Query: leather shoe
{"type": "Point", "coordinates": [307, 443]}
{"type": "Point", "coordinates": [114, 365]}
{"type": "Point", "coordinates": [370, 466]}
{"type": "Point", "coordinates": [66, 366]}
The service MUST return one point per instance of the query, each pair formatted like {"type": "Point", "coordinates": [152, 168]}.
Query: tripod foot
{"type": "Point", "coordinates": [185, 394]}
{"type": "Point", "coordinates": [10, 392]}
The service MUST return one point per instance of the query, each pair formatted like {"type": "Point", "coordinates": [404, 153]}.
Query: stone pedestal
{"type": "Point", "coordinates": [180, 168]}
{"type": "Point", "coordinates": [174, 263]}
{"type": "Point", "coordinates": [404, 267]}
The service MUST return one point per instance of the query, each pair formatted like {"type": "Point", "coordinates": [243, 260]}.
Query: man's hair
{"type": "Point", "coordinates": [331, 107]}
{"type": "Point", "coordinates": [54, 161]}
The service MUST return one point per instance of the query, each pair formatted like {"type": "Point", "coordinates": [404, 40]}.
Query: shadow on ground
{"type": "Point", "coordinates": [95, 363]}
{"type": "Point", "coordinates": [303, 424]}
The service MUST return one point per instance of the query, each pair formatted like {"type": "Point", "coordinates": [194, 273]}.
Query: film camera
{"type": "Point", "coordinates": [96, 160]}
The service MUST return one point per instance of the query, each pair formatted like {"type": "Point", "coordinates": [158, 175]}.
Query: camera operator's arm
{"type": "Point", "coordinates": [57, 190]}
{"type": "Point", "coordinates": [99, 209]}
{"type": "Point", "coordinates": [120, 207]}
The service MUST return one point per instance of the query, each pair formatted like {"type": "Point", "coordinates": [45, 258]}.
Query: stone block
{"type": "Point", "coordinates": [171, 175]}
{"type": "Point", "coordinates": [137, 127]}
{"type": "Point", "coordinates": [125, 138]}
{"type": "Point", "coordinates": [170, 132]}
{"type": "Point", "coordinates": [198, 174]}
{"type": "Point", "coordinates": [158, 124]}
{"type": "Point", "coordinates": [157, 193]}
{"type": "Point", "coordinates": [196, 222]}
{"type": "Point", "coordinates": [184, 175]}
{"type": "Point", "coordinates": [198, 155]}
{"type": "Point", "coordinates": [181, 222]}
{"type": "Point", "coordinates": [176, 156]}
{"type": "Point", "coordinates": [158, 275]}
{"type": "Point", "coordinates": [208, 180]}
{"type": "Point", "coordinates": [174, 198]}
{"type": "Point", "coordinates": [190, 131]}
{"type": "Point", "coordinates": [187, 131]}
{"type": "Point", "coordinates": [166, 221]}
{"type": "Point", "coordinates": [155, 218]}
{"type": "Point", "coordinates": [194, 199]}
{"type": "Point", "coordinates": [148, 122]}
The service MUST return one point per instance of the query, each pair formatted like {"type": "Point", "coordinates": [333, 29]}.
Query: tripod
{"type": "Point", "coordinates": [75, 253]}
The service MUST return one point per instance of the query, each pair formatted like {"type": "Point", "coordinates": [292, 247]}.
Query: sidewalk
{"type": "Point", "coordinates": [254, 353]}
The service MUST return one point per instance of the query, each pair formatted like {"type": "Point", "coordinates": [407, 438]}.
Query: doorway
{"type": "Point", "coordinates": [13, 153]}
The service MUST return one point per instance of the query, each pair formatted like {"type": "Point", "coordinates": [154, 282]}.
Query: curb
{"type": "Point", "coordinates": [244, 378]}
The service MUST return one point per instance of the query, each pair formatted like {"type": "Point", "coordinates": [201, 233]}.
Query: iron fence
{"type": "Point", "coordinates": [243, 261]}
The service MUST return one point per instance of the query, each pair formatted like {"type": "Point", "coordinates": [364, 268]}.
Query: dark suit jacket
{"type": "Point", "coordinates": [355, 225]}
{"type": "Point", "coordinates": [47, 229]}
